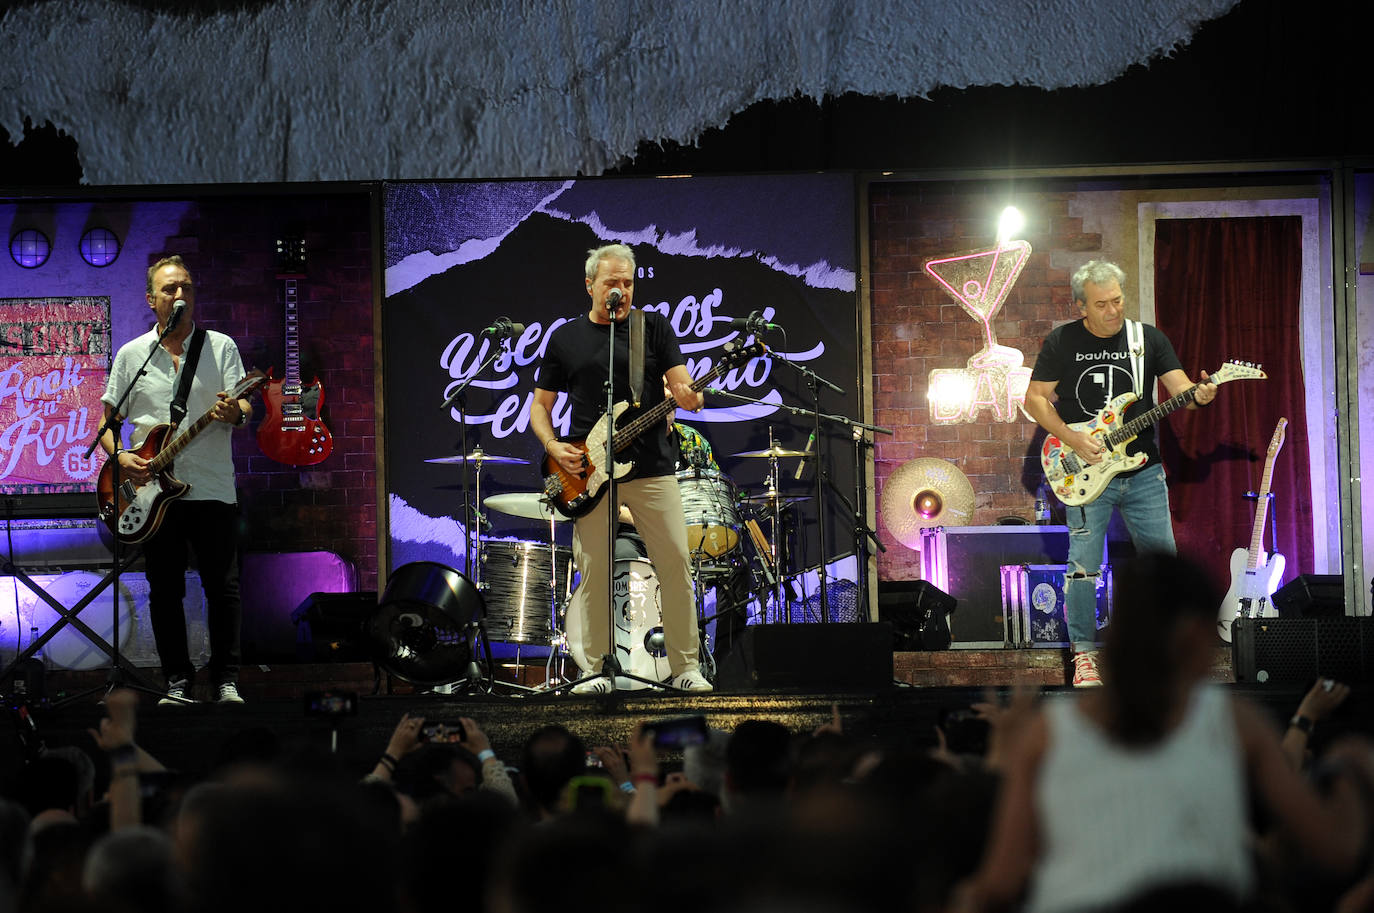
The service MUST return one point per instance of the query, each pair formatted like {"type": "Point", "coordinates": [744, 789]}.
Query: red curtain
{"type": "Point", "coordinates": [1229, 289]}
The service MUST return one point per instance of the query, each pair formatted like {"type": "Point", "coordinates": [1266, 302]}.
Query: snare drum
{"type": "Point", "coordinates": [708, 504]}
{"type": "Point", "coordinates": [638, 622]}
{"type": "Point", "coordinates": [519, 580]}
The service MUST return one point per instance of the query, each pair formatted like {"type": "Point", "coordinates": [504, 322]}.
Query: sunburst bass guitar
{"type": "Point", "coordinates": [1075, 481]}
{"type": "Point", "coordinates": [575, 495]}
{"type": "Point", "coordinates": [1255, 574]}
{"type": "Point", "coordinates": [138, 511]}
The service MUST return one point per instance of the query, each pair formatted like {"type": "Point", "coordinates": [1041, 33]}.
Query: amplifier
{"type": "Point", "coordinates": [1296, 651]}
{"type": "Point", "coordinates": [1033, 604]}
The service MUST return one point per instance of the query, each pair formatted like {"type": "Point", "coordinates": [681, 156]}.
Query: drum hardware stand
{"type": "Point", "coordinates": [473, 521]}
{"type": "Point", "coordinates": [611, 669]}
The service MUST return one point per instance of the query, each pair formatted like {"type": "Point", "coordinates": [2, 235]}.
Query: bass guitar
{"type": "Point", "coordinates": [138, 511]}
{"type": "Point", "coordinates": [1075, 481]}
{"type": "Point", "coordinates": [575, 495]}
{"type": "Point", "coordinates": [291, 431]}
{"type": "Point", "coordinates": [1255, 574]}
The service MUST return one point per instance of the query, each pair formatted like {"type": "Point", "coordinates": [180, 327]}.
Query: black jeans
{"type": "Point", "coordinates": [209, 529]}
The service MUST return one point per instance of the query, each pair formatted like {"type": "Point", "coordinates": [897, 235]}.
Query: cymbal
{"type": "Point", "coordinates": [774, 452]}
{"type": "Point", "coordinates": [924, 493]}
{"type": "Point", "coordinates": [478, 456]}
{"type": "Point", "coordinates": [774, 496]}
{"type": "Point", "coordinates": [532, 505]}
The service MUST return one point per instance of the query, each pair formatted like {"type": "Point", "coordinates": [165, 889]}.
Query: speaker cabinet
{"type": "Point", "coordinates": [812, 657]}
{"type": "Point", "coordinates": [1295, 651]}
{"type": "Point", "coordinates": [1311, 596]}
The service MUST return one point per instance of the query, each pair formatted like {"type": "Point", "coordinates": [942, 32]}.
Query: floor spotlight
{"type": "Point", "coordinates": [426, 624]}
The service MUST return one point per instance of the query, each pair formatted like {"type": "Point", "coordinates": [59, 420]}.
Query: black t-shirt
{"type": "Point", "coordinates": [1092, 371]}
{"type": "Point", "coordinates": [575, 363]}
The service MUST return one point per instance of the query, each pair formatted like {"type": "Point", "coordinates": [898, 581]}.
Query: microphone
{"type": "Point", "coordinates": [754, 323]}
{"type": "Point", "coordinates": [801, 461]}
{"type": "Point", "coordinates": [177, 310]}
{"type": "Point", "coordinates": [613, 300]}
{"type": "Point", "coordinates": [502, 328]}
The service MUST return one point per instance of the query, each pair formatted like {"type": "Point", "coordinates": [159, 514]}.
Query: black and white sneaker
{"type": "Point", "coordinates": [178, 692]}
{"type": "Point", "coordinates": [228, 693]}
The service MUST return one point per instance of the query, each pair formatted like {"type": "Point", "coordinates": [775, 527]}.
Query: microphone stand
{"type": "Point", "coordinates": [473, 679]}
{"type": "Point", "coordinates": [862, 531]}
{"type": "Point", "coordinates": [114, 424]}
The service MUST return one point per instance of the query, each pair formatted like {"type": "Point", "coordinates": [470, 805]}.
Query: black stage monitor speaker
{"type": "Point", "coordinates": [1311, 596]}
{"type": "Point", "coordinates": [1295, 651]}
{"type": "Point", "coordinates": [813, 657]}
{"type": "Point", "coordinates": [329, 625]}
{"type": "Point", "coordinates": [919, 613]}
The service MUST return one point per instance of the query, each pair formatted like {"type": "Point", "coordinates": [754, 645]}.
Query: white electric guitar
{"type": "Point", "coordinates": [1255, 574]}
{"type": "Point", "coordinates": [1075, 481]}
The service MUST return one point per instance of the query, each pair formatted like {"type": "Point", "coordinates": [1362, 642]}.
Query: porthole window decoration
{"type": "Point", "coordinates": [99, 247]}
{"type": "Point", "coordinates": [30, 248]}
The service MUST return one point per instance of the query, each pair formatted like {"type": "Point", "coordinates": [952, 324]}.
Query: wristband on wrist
{"type": "Point", "coordinates": [123, 754]}
{"type": "Point", "coordinates": [644, 778]}
{"type": "Point", "coordinates": [486, 754]}
{"type": "Point", "coordinates": [387, 761]}
{"type": "Point", "coordinates": [1301, 723]}
{"type": "Point", "coordinates": [627, 787]}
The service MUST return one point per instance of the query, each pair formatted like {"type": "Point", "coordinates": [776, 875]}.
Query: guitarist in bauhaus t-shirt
{"type": "Point", "coordinates": [1081, 367]}
{"type": "Point", "coordinates": [575, 363]}
{"type": "Point", "coordinates": [206, 518]}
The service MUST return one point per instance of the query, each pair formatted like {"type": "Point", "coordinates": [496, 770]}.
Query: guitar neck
{"type": "Point", "coordinates": [179, 443]}
{"type": "Point", "coordinates": [1138, 424]}
{"type": "Point", "coordinates": [658, 413]}
{"type": "Point", "coordinates": [291, 377]}
{"type": "Point", "coordinates": [1261, 515]}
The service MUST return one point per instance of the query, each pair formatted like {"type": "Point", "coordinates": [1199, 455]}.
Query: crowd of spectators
{"type": "Point", "coordinates": [758, 818]}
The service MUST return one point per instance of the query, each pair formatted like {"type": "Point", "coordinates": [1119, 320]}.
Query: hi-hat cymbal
{"type": "Point", "coordinates": [532, 505]}
{"type": "Point", "coordinates": [775, 496]}
{"type": "Point", "coordinates": [923, 493]}
{"type": "Point", "coordinates": [774, 452]}
{"type": "Point", "coordinates": [478, 456]}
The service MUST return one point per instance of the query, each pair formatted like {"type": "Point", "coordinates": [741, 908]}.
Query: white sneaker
{"type": "Point", "coordinates": [692, 680]}
{"type": "Point", "coordinates": [178, 692]}
{"type": "Point", "coordinates": [599, 685]}
{"type": "Point", "coordinates": [228, 694]}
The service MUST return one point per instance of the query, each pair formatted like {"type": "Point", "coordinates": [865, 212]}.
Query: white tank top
{"type": "Point", "coordinates": [1116, 821]}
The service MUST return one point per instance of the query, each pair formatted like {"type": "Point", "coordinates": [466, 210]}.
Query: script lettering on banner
{"type": "Point", "coordinates": [54, 361]}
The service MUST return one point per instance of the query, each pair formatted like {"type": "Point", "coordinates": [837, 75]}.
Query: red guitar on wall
{"type": "Point", "coordinates": [291, 431]}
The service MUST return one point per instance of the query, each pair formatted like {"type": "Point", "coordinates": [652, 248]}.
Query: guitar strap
{"type": "Point", "coordinates": [636, 357]}
{"type": "Point", "coordinates": [188, 372]}
{"type": "Point", "coordinates": [1135, 340]}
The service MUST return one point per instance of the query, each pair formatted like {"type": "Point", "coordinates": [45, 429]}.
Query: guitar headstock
{"type": "Point", "coordinates": [291, 256]}
{"type": "Point", "coordinates": [250, 382]}
{"type": "Point", "coordinates": [736, 354]}
{"type": "Point", "coordinates": [1276, 443]}
{"type": "Point", "coordinates": [1237, 370]}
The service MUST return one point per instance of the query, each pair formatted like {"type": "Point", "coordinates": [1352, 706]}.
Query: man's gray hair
{"type": "Point", "coordinates": [1098, 272]}
{"type": "Point", "coordinates": [608, 252]}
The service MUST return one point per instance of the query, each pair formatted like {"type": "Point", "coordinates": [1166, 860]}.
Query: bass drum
{"type": "Point", "coordinates": [69, 648]}
{"type": "Point", "coordinates": [638, 623]}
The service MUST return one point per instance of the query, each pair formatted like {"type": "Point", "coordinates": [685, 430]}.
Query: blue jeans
{"type": "Point", "coordinates": [1143, 499]}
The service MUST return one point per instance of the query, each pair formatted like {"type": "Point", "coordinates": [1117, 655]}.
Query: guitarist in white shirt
{"type": "Point", "coordinates": [1081, 367]}
{"type": "Point", "coordinates": [575, 363]}
{"type": "Point", "coordinates": [206, 517]}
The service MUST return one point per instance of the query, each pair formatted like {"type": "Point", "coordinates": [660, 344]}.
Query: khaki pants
{"type": "Point", "coordinates": [657, 507]}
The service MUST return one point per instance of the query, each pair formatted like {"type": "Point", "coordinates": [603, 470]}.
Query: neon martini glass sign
{"type": "Point", "coordinates": [995, 376]}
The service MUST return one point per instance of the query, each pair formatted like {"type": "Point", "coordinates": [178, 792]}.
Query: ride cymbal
{"type": "Point", "coordinates": [774, 453]}
{"type": "Point", "coordinates": [478, 456]}
{"type": "Point", "coordinates": [923, 493]}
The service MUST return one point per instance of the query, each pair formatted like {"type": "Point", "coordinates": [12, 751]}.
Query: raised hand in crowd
{"type": "Point", "coordinates": [405, 738]}
{"type": "Point", "coordinates": [1321, 700]}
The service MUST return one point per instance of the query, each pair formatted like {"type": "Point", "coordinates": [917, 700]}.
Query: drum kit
{"type": "Point", "coordinates": [530, 587]}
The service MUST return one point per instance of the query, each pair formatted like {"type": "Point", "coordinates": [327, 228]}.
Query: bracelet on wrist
{"type": "Point", "coordinates": [123, 754]}
{"type": "Point", "coordinates": [1301, 723]}
{"type": "Point", "coordinates": [644, 778]}
{"type": "Point", "coordinates": [627, 787]}
{"type": "Point", "coordinates": [486, 754]}
{"type": "Point", "coordinates": [387, 761]}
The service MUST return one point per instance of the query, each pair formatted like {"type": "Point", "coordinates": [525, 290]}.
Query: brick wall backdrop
{"type": "Point", "coordinates": [917, 326]}
{"type": "Point", "coordinates": [230, 246]}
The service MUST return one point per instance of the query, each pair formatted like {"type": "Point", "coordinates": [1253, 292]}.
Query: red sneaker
{"type": "Point", "coordinates": [1085, 671]}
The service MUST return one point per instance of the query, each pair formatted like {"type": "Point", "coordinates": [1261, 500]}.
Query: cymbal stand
{"type": "Point", "coordinates": [473, 521]}
{"type": "Point", "coordinates": [558, 641]}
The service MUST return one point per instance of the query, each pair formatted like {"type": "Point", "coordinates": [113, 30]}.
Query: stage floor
{"type": "Point", "coordinates": [190, 737]}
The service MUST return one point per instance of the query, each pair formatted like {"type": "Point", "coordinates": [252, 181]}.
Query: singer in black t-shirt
{"type": "Point", "coordinates": [572, 376]}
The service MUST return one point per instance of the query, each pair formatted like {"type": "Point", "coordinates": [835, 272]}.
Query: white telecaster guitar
{"type": "Point", "coordinates": [1075, 481]}
{"type": "Point", "coordinates": [1255, 574]}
